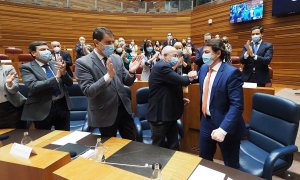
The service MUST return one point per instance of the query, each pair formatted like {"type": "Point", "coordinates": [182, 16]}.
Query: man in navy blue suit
{"type": "Point", "coordinates": [59, 56]}
{"type": "Point", "coordinates": [221, 105]}
{"type": "Point", "coordinates": [166, 99]}
{"type": "Point", "coordinates": [256, 57]}
{"type": "Point", "coordinates": [199, 51]}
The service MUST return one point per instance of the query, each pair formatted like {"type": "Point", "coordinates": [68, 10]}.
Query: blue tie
{"type": "Point", "coordinates": [49, 73]}
{"type": "Point", "coordinates": [255, 48]}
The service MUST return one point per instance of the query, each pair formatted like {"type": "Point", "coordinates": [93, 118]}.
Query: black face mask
{"type": "Point", "coordinates": [183, 44]}
{"type": "Point", "coordinates": [225, 41]}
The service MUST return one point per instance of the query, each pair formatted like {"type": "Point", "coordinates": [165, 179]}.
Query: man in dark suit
{"type": "Point", "coordinates": [221, 101]}
{"type": "Point", "coordinates": [256, 57]}
{"type": "Point", "coordinates": [80, 48]}
{"type": "Point", "coordinates": [170, 41]}
{"type": "Point", "coordinates": [166, 99]}
{"type": "Point", "coordinates": [48, 100]}
{"type": "Point", "coordinates": [199, 51]}
{"type": "Point", "coordinates": [102, 76]}
{"type": "Point", "coordinates": [59, 56]}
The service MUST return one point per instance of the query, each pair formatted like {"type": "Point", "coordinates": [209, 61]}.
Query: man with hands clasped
{"type": "Point", "coordinates": [102, 76]}
{"type": "Point", "coordinates": [256, 57]}
{"type": "Point", "coordinates": [48, 100]}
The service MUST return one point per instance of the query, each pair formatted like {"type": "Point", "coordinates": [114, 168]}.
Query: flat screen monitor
{"type": "Point", "coordinates": [247, 11]}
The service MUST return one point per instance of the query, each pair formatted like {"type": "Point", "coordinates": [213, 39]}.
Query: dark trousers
{"type": "Point", "coordinates": [59, 117]}
{"type": "Point", "coordinates": [124, 123]}
{"type": "Point", "coordinates": [10, 116]}
{"type": "Point", "coordinates": [253, 79]}
{"type": "Point", "coordinates": [165, 134]}
{"type": "Point", "coordinates": [230, 147]}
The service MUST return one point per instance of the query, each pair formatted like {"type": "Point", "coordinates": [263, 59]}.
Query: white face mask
{"type": "Point", "coordinates": [56, 49]}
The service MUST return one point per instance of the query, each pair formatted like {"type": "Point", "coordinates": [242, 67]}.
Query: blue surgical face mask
{"type": "Point", "coordinates": [108, 50]}
{"type": "Point", "coordinates": [174, 61]}
{"type": "Point", "coordinates": [149, 49]}
{"type": "Point", "coordinates": [45, 55]}
{"type": "Point", "coordinates": [256, 38]}
{"type": "Point", "coordinates": [170, 37]}
{"type": "Point", "coordinates": [207, 59]}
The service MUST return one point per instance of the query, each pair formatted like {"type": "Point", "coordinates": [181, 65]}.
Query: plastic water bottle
{"type": "Point", "coordinates": [156, 175]}
{"type": "Point", "coordinates": [99, 151]}
{"type": "Point", "coordinates": [26, 139]}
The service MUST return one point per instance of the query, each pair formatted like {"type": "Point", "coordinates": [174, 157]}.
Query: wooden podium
{"type": "Point", "coordinates": [40, 166]}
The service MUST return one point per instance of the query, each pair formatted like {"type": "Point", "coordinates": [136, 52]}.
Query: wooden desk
{"type": "Point", "coordinates": [180, 165]}
{"type": "Point", "coordinates": [39, 166]}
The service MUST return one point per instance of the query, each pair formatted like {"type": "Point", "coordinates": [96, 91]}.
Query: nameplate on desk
{"type": "Point", "coordinates": [249, 85]}
{"type": "Point", "coordinates": [21, 151]}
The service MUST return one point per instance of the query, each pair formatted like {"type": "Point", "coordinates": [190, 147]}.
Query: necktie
{"type": "Point", "coordinates": [104, 61]}
{"type": "Point", "coordinates": [49, 73]}
{"type": "Point", "coordinates": [205, 92]}
{"type": "Point", "coordinates": [255, 48]}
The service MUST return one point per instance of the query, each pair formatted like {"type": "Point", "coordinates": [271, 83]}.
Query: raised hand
{"type": "Point", "coordinates": [110, 68]}
{"type": "Point", "coordinates": [249, 49]}
{"type": "Point", "coordinates": [10, 78]}
{"type": "Point", "coordinates": [135, 65]}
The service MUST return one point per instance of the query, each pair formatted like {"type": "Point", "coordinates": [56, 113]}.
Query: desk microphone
{"type": "Point", "coordinates": [134, 165]}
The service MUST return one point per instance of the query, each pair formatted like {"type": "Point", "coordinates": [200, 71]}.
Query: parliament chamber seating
{"type": "Point", "coordinates": [236, 62]}
{"type": "Point", "coordinates": [4, 57]}
{"type": "Point", "coordinates": [272, 132]}
{"type": "Point", "coordinates": [140, 119]}
{"type": "Point", "coordinates": [13, 50]}
{"type": "Point", "coordinates": [24, 58]}
{"type": "Point", "coordinates": [78, 109]}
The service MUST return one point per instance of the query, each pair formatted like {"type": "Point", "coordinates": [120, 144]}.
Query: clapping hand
{"type": "Point", "coordinates": [61, 69]}
{"type": "Point", "coordinates": [10, 77]}
{"type": "Point", "coordinates": [110, 68]}
{"type": "Point", "coordinates": [249, 49]}
{"type": "Point", "coordinates": [135, 64]}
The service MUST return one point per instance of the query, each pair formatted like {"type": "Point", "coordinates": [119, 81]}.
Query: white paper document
{"type": "Point", "coordinates": [20, 150]}
{"type": "Point", "coordinates": [71, 138]}
{"type": "Point", "coordinates": [88, 154]}
{"type": "Point", "coordinates": [202, 172]}
{"type": "Point", "coordinates": [249, 85]}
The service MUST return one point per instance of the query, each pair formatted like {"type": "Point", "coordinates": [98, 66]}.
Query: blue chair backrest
{"type": "Point", "coordinates": [78, 103]}
{"type": "Point", "coordinates": [142, 96]}
{"type": "Point", "coordinates": [274, 122]}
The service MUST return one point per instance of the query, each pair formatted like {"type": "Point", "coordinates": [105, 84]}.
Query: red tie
{"type": "Point", "coordinates": [205, 92]}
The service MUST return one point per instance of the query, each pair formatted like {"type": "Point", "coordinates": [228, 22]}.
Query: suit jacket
{"type": "Point", "coordinates": [103, 97]}
{"type": "Point", "coordinates": [264, 57]}
{"type": "Point", "coordinates": [165, 93]}
{"type": "Point", "coordinates": [67, 59]}
{"type": "Point", "coordinates": [39, 87]}
{"type": "Point", "coordinates": [79, 51]}
{"type": "Point", "coordinates": [199, 60]}
{"type": "Point", "coordinates": [226, 100]}
{"type": "Point", "coordinates": [12, 95]}
{"type": "Point", "coordinates": [166, 43]}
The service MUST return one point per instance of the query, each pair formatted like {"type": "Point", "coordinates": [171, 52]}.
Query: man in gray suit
{"type": "Point", "coordinates": [48, 100]}
{"type": "Point", "coordinates": [102, 76]}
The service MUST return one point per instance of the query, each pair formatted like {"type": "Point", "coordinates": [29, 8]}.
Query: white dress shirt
{"type": "Point", "coordinates": [214, 72]}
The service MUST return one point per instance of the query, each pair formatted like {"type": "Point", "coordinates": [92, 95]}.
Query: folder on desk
{"type": "Point", "coordinates": [76, 148]}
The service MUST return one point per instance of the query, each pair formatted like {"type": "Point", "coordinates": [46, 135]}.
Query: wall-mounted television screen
{"type": "Point", "coordinates": [247, 11]}
{"type": "Point", "coordinates": [287, 7]}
